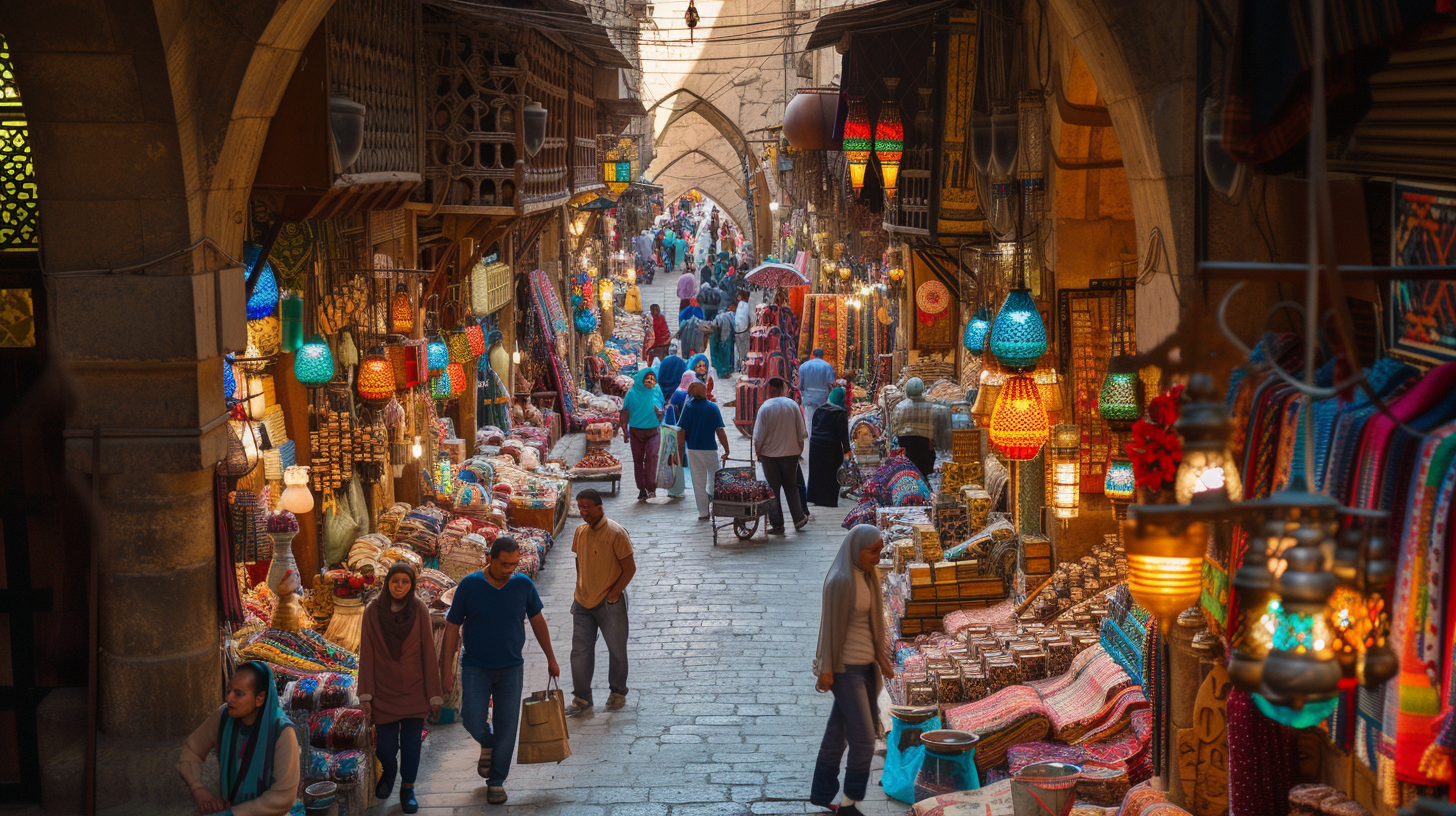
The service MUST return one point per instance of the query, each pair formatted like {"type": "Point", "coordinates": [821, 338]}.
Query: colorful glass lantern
{"type": "Point", "coordinates": [291, 311]}
{"type": "Point", "coordinates": [229, 380]}
{"type": "Point", "coordinates": [1050, 386]}
{"type": "Point", "coordinates": [1018, 338]}
{"type": "Point", "coordinates": [456, 374]}
{"type": "Point", "coordinates": [1121, 398]}
{"type": "Point", "coordinates": [976, 329]}
{"type": "Point", "coordinates": [845, 271]}
{"type": "Point", "coordinates": [889, 144]}
{"type": "Point", "coordinates": [264, 298]}
{"type": "Point", "coordinates": [475, 336]}
{"type": "Point", "coordinates": [992, 380]}
{"type": "Point", "coordinates": [1019, 423]}
{"type": "Point", "coordinates": [376, 376]}
{"type": "Point", "coordinates": [1065, 449]}
{"type": "Point", "coordinates": [1165, 560]}
{"type": "Point", "coordinates": [897, 274]}
{"type": "Point", "coordinates": [402, 311]}
{"type": "Point", "coordinates": [858, 141]}
{"type": "Point", "coordinates": [438, 355]}
{"type": "Point", "coordinates": [313, 365]}
{"type": "Point", "coordinates": [1119, 485]}
{"type": "Point", "coordinates": [1253, 586]}
{"type": "Point", "coordinates": [1301, 666]}
{"type": "Point", "coordinates": [1208, 463]}
{"type": "Point", "coordinates": [440, 387]}
{"type": "Point", "coordinates": [617, 174]}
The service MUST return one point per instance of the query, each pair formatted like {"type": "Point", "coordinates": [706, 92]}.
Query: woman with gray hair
{"type": "Point", "coordinates": [852, 657]}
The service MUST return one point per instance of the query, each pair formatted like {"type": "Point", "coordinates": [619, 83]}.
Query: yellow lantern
{"type": "Point", "coordinates": [1066, 471]}
{"type": "Point", "coordinates": [1165, 560]}
{"type": "Point", "coordinates": [1018, 422]}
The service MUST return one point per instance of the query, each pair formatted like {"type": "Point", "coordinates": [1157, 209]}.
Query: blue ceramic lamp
{"type": "Point", "coordinates": [1018, 338]}
{"type": "Point", "coordinates": [313, 364]}
{"type": "Point", "coordinates": [975, 339]}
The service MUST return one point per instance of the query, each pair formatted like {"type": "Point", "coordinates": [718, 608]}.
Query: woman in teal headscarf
{"type": "Point", "coordinates": [828, 447]}
{"type": "Point", "coordinates": [257, 749]}
{"type": "Point", "coordinates": [702, 369]}
{"type": "Point", "coordinates": [642, 410]}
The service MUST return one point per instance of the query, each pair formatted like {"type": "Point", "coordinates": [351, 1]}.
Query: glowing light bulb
{"type": "Point", "coordinates": [773, 206]}
{"type": "Point", "coordinates": [417, 450]}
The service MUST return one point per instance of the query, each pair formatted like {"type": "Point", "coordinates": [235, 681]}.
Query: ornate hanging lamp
{"type": "Point", "coordinates": [1120, 401]}
{"type": "Point", "coordinates": [976, 330]}
{"type": "Point", "coordinates": [313, 364]}
{"type": "Point", "coordinates": [401, 310]}
{"type": "Point", "coordinates": [992, 380]}
{"type": "Point", "coordinates": [1253, 585]}
{"type": "Point", "coordinates": [890, 139]}
{"type": "Point", "coordinates": [1018, 337]}
{"type": "Point", "coordinates": [1165, 560]}
{"type": "Point", "coordinates": [437, 355]}
{"type": "Point", "coordinates": [858, 141]}
{"type": "Point", "coordinates": [1301, 665]}
{"type": "Point", "coordinates": [296, 497]}
{"type": "Point", "coordinates": [376, 376]}
{"type": "Point", "coordinates": [1018, 422]}
{"type": "Point", "coordinates": [264, 297]}
{"type": "Point", "coordinates": [1208, 463]}
{"type": "Point", "coordinates": [1066, 471]}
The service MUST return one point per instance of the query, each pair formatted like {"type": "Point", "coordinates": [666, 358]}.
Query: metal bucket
{"type": "Point", "coordinates": [1045, 789]}
{"type": "Point", "coordinates": [321, 799]}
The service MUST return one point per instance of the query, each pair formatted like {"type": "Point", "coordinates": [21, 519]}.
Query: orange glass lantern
{"type": "Point", "coordinates": [858, 141]}
{"type": "Point", "coordinates": [402, 311]}
{"type": "Point", "coordinates": [456, 373]}
{"type": "Point", "coordinates": [1019, 422]}
{"type": "Point", "coordinates": [889, 142]}
{"type": "Point", "coordinates": [376, 376]}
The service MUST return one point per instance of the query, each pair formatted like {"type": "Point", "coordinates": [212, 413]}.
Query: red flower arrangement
{"type": "Point", "coordinates": [1155, 448]}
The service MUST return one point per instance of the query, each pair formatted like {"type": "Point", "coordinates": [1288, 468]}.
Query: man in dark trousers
{"type": "Point", "coordinates": [604, 567]}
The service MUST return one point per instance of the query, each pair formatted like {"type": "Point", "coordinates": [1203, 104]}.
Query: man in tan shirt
{"type": "Point", "coordinates": [604, 567]}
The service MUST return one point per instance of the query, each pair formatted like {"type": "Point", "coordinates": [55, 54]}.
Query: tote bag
{"type": "Point", "coordinates": [667, 457]}
{"type": "Point", "coordinates": [543, 727]}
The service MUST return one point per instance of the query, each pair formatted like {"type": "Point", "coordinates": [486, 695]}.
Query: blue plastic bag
{"type": "Point", "coordinates": [903, 755]}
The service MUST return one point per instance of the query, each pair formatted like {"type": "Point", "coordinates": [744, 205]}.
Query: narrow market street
{"type": "Point", "coordinates": [722, 718]}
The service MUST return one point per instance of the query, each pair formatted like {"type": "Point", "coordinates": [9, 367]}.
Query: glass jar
{"type": "Point", "coordinates": [949, 765]}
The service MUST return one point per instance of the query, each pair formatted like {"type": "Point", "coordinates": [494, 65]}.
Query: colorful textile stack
{"type": "Point", "coordinates": [739, 485]}
{"type": "Point", "coordinates": [420, 530]}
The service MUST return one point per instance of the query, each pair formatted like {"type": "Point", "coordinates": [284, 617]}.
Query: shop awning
{"type": "Point", "coordinates": [885, 15]}
{"type": "Point", "coordinates": [628, 107]}
{"type": "Point", "coordinates": [565, 21]}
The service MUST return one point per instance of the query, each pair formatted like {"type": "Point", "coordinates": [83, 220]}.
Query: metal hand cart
{"type": "Point", "coordinates": [742, 516]}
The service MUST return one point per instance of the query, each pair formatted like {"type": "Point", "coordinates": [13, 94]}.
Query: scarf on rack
{"type": "Point", "coordinates": [396, 626]}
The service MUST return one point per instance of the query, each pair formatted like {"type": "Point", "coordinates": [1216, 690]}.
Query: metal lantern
{"type": "Point", "coordinates": [616, 173]}
{"type": "Point", "coordinates": [992, 380]}
{"type": "Point", "coordinates": [229, 380]}
{"type": "Point", "coordinates": [376, 376]}
{"type": "Point", "coordinates": [1050, 386]}
{"type": "Point", "coordinates": [290, 308]}
{"type": "Point", "coordinates": [1065, 448]}
{"type": "Point", "coordinates": [1119, 486]}
{"type": "Point", "coordinates": [438, 356]}
{"type": "Point", "coordinates": [1253, 586]}
{"type": "Point", "coordinates": [1018, 338]}
{"type": "Point", "coordinates": [313, 365]}
{"type": "Point", "coordinates": [1165, 560]}
{"type": "Point", "coordinates": [1357, 615]}
{"type": "Point", "coordinates": [1019, 423]}
{"type": "Point", "coordinates": [858, 141]}
{"type": "Point", "coordinates": [889, 140]}
{"type": "Point", "coordinates": [402, 310]}
{"type": "Point", "coordinates": [1208, 463]}
{"type": "Point", "coordinates": [534, 129]}
{"type": "Point", "coordinates": [976, 329]}
{"type": "Point", "coordinates": [1301, 665]}
{"type": "Point", "coordinates": [1121, 398]}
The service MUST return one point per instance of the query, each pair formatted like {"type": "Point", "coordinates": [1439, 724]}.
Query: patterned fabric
{"type": "Point", "coordinates": [739, 485]}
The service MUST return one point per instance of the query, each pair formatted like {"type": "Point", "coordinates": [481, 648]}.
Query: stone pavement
{"type": "Point", "coordinates": [722, 718]}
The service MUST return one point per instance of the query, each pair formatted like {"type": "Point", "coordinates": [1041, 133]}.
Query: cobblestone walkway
{"type": "Point", "coordinates": [722, 718]}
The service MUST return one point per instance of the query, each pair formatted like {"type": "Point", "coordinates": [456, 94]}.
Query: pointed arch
{"type": "Point", "coordinates": [737, 185]}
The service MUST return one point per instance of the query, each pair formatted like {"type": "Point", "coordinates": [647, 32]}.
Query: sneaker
{"type": "Point", "coordinates": [578, 707]}
{"type": "Point", "coordinates": [616, 701]}
{"type": "Point", "coordinates": [407, 801]}
{"type": "Point", "coordinates": [495, 794]}
{"type": "Point", "coordinates": [483, 766]}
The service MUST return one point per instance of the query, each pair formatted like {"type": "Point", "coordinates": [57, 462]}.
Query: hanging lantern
{"type": "Point", "coordinates": [1066, 466]}
{"type": "Point", "coordinates": [438, 355]}
{"type": "Point", "coordinates": [296, 497]}
{"type": "Point", "coordinates": [845, 271]}
{"type": "Point", "coordinates": [458, 346]}
{"type": "Point", "coordinates": [616, 173]}
{"type": "Point", "coordinates": [229, 380]}
{"type": "Point", "coordinates": [440, 386]}
{"type": "Point", "coordinates": [606, 292]}
{"type": "Point", "coordinates": [402, 311]}
{"type": "Point", "coordinates": [1165, 560]}
{"type": "Point", "coordinates": [1018, 337]}
{"type": "Point", "coordinates": [475, 337]}
{"type": "Point", "coordinates": [376, 376]}
{"type": "Point", "coordinates": [1050, 386]}
{"type": "Point", "coordinates": [313, 365]}
{"type": "Point", "coordinates": [896, 273]}
{"type": "Point", "coordinates": [976, 329]}
{"type": "Point", "coordinates": [1121, 398]}
{"type": "Point", "coordinates": [1301, 666]}
{"type": "Point", "coordinates": [1019, 423]}
{"type": "Point", "coordinates": [992, 380]}
{"type": "Point", "coordinates": [889, 140]}
{"type": "Point", "coordinates": [1208, 463]}
{"type": "Point", "coordinates": [858, 141]}
{"type": "Point", "coordinates": [264, 297]}
{"type": "Point", "coordinates": [291, 310]}
{"type": "Point", "coordinates": [456, 374]}
{"type": "Point", "coordinates": [1253, 585]}
{"type": "Point", "coordinates": [1119, 485]}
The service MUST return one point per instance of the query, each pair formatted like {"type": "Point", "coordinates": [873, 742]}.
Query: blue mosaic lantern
{"type": "Point", "coordinates": [1018, 338]}
{"type": "Point", "coordinates": [1121, 398]}
{"type": "Point", "coordinates": [265, 292]}
{"type": "Point", "coordinates": [438, 355]}
{"type": "Point", "coordinates": [1119, 484]}
{"type": "Point", "coordinates": [313, 364]}
{"type": "Point", "coordinates": [976, 330]}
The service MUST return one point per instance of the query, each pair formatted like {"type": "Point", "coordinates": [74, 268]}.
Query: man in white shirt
{"type": "Point", "coordinates": [779, 434]}
{"type": "Point", "coordinates": [742, 322]}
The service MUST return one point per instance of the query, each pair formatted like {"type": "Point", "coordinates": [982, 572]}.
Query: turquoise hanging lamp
{"type": "Point", "coordinates": [975, 340]}
{"type": "Point", "coordinates": [438, 355]}
{"type": "Point", "coordinates": [264, 298]}
{"type": "Point", "coordinates": [1121, 398]}
{"type": "Point", "coordinates": [313, 364]}
{"type": "Point", "coordinates": [1018, 337]}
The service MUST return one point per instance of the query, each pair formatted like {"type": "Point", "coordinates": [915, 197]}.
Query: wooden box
{"type": "Point", "coordinates": [983, 588]}
{"type": "Point", "coordinates": [920, 573]}
{"type": "Point", "coordinates": [923, 592]}
{"type": "Point", "coordinates": [1040, 565]}
{"type": "Point", "coordinates": [1035, 546]}
{"type": "Point", "coordinates": [968, 569]}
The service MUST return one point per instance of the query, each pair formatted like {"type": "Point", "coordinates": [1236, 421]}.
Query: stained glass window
{"type": "Point", "coordinates": [18, 227]}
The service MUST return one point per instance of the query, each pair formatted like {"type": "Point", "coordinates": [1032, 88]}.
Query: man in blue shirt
{"type": "Point", "coordinates": [701, 420]}
{"type": "Point", "coordinates": [816, 377]}
{"type": "Point", "coordinates": [493, 606]}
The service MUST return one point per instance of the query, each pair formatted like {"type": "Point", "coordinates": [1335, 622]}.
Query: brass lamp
{"type": "Point", "coordinates": [1253, 585]}
{"type": "Point", "coordinates": [1066, 471]}
{"type": "Point", "coordinates": [1165, 560]}
{"type": "Point", "coordinates": [1301, 666]}
{"type": "Point", "coordinates": [1208, 463]}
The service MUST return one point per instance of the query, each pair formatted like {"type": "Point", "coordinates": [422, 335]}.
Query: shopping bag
{"type": "Point", "coordinates": [668, 462]}
{"type": "Point", "coordinates": [543, 727]}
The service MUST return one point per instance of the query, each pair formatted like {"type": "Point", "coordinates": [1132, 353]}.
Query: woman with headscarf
{"type": "Point", "coordinates": [674, 417]}
{"type": "Point", "coordinates": [720, 343]}
{"type": "Point", "coordinates": [641, 417]}
{"type": "Point", "coordinates": [399, 680]}
{"type": "Point", "coordinates": [691, 333]}
{"type": "Point", "coordinates": [661, 339]}
{"type": "Point", "coordinates": [850, 661]}
{"type": "Point", "coordinates": [828, 445]}
{"type": "Point", "coordinates": [669, 374]}
{"type": "Point", "coordinates": [698, 367]}
{"type": "Point", "coordinates": [257, 749]}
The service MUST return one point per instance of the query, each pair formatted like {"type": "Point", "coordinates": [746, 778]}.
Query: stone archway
{"type": "Point", "coordinates": [146, 124]}
{"type": "Point", "coordinates": [730, 131]}
{"type": "Point", "coordinates": [1142, 67]}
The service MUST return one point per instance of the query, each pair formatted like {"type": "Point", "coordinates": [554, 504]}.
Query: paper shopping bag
{"type": "Point", "coordinates": [543, 728]}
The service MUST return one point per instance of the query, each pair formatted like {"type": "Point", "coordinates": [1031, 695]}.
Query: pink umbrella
{"type": "Point", "coordinates": [770, 275]}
